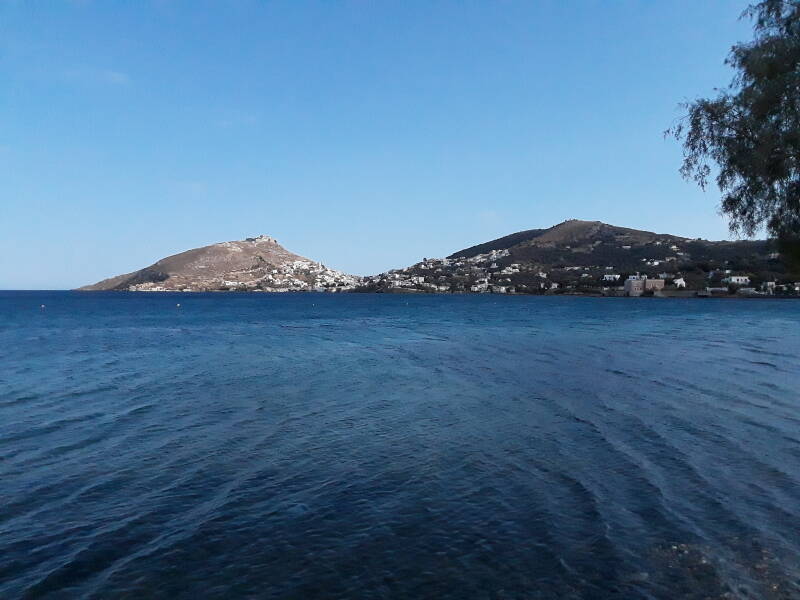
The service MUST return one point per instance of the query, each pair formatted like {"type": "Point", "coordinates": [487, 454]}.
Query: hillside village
{"type": "Point", "coordinates": [295, 276]}
{"type": "Point", "coordinates": [573, 257]}
{"type": "Point", "coordinates": [584, 257]}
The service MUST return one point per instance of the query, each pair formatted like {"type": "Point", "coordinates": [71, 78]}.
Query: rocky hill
{"type": "Point", "coordinates": [583, 256]}
{"type": "Point", "coordinates": [254, 264]}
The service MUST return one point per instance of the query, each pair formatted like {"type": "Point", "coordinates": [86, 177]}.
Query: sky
{"type": "Point", "coordinates": [365, 135]}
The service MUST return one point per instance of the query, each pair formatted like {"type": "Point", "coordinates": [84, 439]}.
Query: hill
{"type": "Point", "coordinates": [254, 264]}
{"type": "Point", "coordinates": [584, 256]}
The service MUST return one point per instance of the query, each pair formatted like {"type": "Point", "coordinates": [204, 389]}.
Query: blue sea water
{"type": "Point", "coordinates": [379, 446]}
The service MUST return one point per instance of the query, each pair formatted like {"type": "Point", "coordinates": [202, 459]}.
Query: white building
{"type": "Point", "coordinates": [737, 280]}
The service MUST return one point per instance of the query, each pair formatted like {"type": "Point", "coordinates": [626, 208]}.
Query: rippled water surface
{"type": "Point", "coordinates": [366, 446]}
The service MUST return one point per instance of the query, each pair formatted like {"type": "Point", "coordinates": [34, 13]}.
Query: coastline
{"type": "Point", "coordinates": [682, 295]}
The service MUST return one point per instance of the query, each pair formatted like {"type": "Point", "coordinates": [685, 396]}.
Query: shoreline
{"type": "Point", "coordinates": [406, 292]}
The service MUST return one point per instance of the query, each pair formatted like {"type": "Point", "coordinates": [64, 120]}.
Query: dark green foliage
{"type": "Point", "coordinates": [789, 247]}
{"type": "Point", "coordinates": [498, 244]}
{"type": "Point", "coordinates": [750, 131]}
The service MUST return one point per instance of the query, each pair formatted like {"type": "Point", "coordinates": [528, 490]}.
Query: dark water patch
{"type": "Point", "coordinates": [325, 446]}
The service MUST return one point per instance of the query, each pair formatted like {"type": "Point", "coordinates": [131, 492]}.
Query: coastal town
{"type": "Point", "coordinates": [592, 258]}
{"type": "Point", "coordinates": [571, 258]}
{"type": "Point", "coordinates": [483, 274]}
{"type": "Point", "coordinates": [295, 276]}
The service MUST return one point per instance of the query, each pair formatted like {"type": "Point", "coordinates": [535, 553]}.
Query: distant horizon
{"type": "Point", "coordinates": [322, 260]}
{"type": "Point", "coordinates": [364, 136]}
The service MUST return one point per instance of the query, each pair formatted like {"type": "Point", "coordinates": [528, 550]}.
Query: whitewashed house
{"type": "Point", "coordinates": [737, 280]}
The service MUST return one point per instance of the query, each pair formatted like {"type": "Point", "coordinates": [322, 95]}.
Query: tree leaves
{"type": "Point", "coordinates": [749, 134]}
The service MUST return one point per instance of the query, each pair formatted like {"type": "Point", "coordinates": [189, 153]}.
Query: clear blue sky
{"type": "Point", "coordinates": [365, 135]}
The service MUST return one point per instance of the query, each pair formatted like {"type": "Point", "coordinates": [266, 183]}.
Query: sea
{"type": "Point", "coordinates": [398, 446]}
